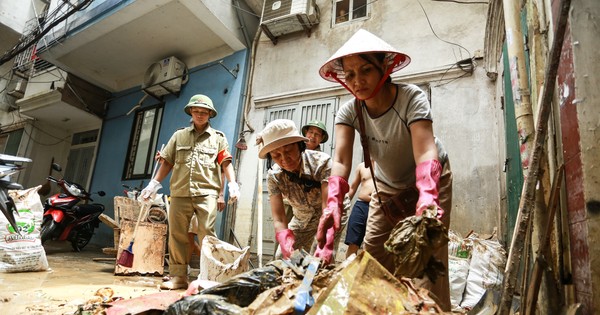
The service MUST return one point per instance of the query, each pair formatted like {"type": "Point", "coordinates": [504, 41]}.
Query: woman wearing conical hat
{"type": "Point", "coordinates": [398, 128]}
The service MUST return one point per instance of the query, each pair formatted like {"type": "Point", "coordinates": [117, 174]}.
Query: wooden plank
{"type": "Point", "coordinates": [126, 209]}
{"type": "Point", "coordinates": [148, 248]}
{"type": "Point", "coordinates": [108, 221]}
{"type": "Point", "coordinates": [110, 251]}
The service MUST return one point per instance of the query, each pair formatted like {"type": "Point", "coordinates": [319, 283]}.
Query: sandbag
{"type": "Point", "coordinates": [459, 258]}
{"type": "Point", "coordinates": [220, 260]}
{"type": "Point", "coordinates": [458, 271]}
{"type": "Point", "coordinates": [488, 259]}
{"type": "Point", "coordinates": [23, 251]}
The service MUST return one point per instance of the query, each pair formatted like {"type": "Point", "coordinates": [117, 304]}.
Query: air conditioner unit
{"type": "Point", "coordinates": [280, 17]}
{"type": "Point", "coordinates": [165, 77]}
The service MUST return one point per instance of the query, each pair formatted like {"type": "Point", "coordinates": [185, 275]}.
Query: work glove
{"type": "Point", "coordinates": [286, 241]}
{"type": "Point", "coordinates": [234, 191]}
{"type": "Point", "coordinates": [337, 188]}
{"type": "Point", "coordinates": [428, 176]}
{"type": "Point", "coordinates": [326, 252]}
{"type": "Point", "coordinates": [150, 191]}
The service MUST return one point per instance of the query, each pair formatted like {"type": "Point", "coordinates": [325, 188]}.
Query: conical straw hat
{"type": "Point", "coordinates": [362, 42]}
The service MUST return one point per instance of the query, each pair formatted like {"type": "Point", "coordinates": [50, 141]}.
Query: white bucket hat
{"type": "Point", "coordinates": [362, 42]}
{"type": "Point", "coordinates": [278, 133]}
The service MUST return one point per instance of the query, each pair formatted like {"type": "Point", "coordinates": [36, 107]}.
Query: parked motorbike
{"type": "Point", "coordinates": [7, 168]}
{"type": "Point", "coordinates": [132, 192]}
{"type": "Point", "coordinates": [68, 216]}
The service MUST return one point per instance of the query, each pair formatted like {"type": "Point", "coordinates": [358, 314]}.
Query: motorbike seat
{"type": "Point", "coordinates": [89, 208]}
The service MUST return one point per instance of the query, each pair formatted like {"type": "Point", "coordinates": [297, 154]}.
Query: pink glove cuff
{"type": "Point", "coordinates": [428, 175]}
{"type": "Point", "coordinates": [337, 188]}
{"type": "Point", "coordinates": [286, 240]}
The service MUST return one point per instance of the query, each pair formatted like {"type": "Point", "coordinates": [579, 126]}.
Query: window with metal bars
{"type": "Point", "coordinates": [349, 10]}
{"type": "Point", "coordinates": [142, 144]}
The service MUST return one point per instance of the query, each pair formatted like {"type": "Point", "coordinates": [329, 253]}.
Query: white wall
{"type": "Point", "coordinates": [466, 113]}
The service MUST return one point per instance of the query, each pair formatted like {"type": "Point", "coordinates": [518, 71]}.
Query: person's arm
{"type": "Point", "coordinates": [221, 198]}
{"type": "Point", "coordinates": [356, 181]}
{"type": "Point", "coordinates": [324, 192]}
{"type": "Point", "coordinates": [163, 170]}
{"type": "Point", "coordinates": [228, 171]}
{"type": "Point", "coordinates": [337, 185]}
{"type": "Point", "coordinates": [424, 148]}
{"type": "Point", "coordinates": [278, 213]}
{"type": "Point", "coordinates": [428, 170]}
{"type": "Point", "coordinates": [234, 188]}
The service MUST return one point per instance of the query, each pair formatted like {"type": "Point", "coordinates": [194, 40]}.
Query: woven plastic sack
{"type": "Point", "coordinates": [23, 251]}
{"type": "Point", "coordinates": [486, 270]}
{"type": "Point", "coordinates": [220, 260]}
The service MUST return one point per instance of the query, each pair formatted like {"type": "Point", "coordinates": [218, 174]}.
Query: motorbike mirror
{"type": "Point", "coordinates": [56, 167]}
{"type": "Point", "coordinates": [101, 193]}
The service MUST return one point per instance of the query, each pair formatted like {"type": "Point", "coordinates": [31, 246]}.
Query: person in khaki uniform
{"type": "Point", "coordinates": [194, 154]}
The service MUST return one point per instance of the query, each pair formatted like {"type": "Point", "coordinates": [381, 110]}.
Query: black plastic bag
{"type": "Point", "coordinates": [243, 289]}
{"type": "Point", "coordinates": [203, 305]}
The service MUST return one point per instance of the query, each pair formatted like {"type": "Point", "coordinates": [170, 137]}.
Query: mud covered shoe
{"type": "Point", "coordinates": [174, 283]}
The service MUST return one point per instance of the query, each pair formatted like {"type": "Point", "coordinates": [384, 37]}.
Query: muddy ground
{"type": "Point", "coordinates": [72, 281]}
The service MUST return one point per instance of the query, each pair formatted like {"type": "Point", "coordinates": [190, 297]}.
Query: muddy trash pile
{"type": "Point", "coordinates": [413, 241]}
{"type": "Point", "coordinates": [302, 285]}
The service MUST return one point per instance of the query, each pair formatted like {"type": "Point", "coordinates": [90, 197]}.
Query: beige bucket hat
{"type": "Point", "coordinates": [362, 42]}
{"type": "Point", "coordinates": [278, 133]}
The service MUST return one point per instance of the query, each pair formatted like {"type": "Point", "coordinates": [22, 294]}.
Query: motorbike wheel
{"type": "Point", "coordinates": [82, 236]}
{"type": "Point", "coordinates": [47, 229]}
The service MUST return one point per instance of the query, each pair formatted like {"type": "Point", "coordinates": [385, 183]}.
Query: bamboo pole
{"type": "Point", "coordinates": [527, 197]}
{"type": "Point", "coordinates": [541, 260]}
{"type": "Point", "coordinates": [259, 228]}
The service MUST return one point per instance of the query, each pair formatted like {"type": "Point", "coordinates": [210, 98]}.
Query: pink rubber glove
{"type": "Point", "coordinates": [326, 252]}
{"type": "Point", "coordinates": [337, 188]}
{"type": "Point", "coordinates": [286, 241]}
{"type": "Point", "coordinates": [428, 176]}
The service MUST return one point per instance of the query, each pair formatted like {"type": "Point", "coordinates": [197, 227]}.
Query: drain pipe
{"type": "Point", "coordinates": [245, 109]}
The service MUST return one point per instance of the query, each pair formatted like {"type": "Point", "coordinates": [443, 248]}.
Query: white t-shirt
{"type": "Point", "coordinates": [389, 139]}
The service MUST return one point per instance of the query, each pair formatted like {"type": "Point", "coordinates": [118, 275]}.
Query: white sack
{"type": "Point", "coordinates": [486, 269]}
{"type": "Point", "coordinates": [23, 252]}
{"type": "Point", "coordinates": [458, 270]}
{"type": "Point", "coordinates": [220, 260]}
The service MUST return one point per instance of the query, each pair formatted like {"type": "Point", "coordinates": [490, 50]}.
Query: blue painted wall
{"type": "Point", "coordinates": [211, 79]}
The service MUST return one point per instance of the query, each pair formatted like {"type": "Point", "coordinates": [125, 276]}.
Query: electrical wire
{"type": "Point", "coordinates": [21, 46]}
{"type": "Point", "coordinates": [436, 35]}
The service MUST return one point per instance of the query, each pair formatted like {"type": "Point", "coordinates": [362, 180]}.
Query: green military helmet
{"type": "Point", "coordinates": [318, 124]}
{"type": "Point", "coordinates": [203, 101]}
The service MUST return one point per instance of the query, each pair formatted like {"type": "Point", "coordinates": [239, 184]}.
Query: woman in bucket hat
{"type": "Point", "coordinates": [399, 135]}
{"type": "Point", "coordinates": [301, 178]}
